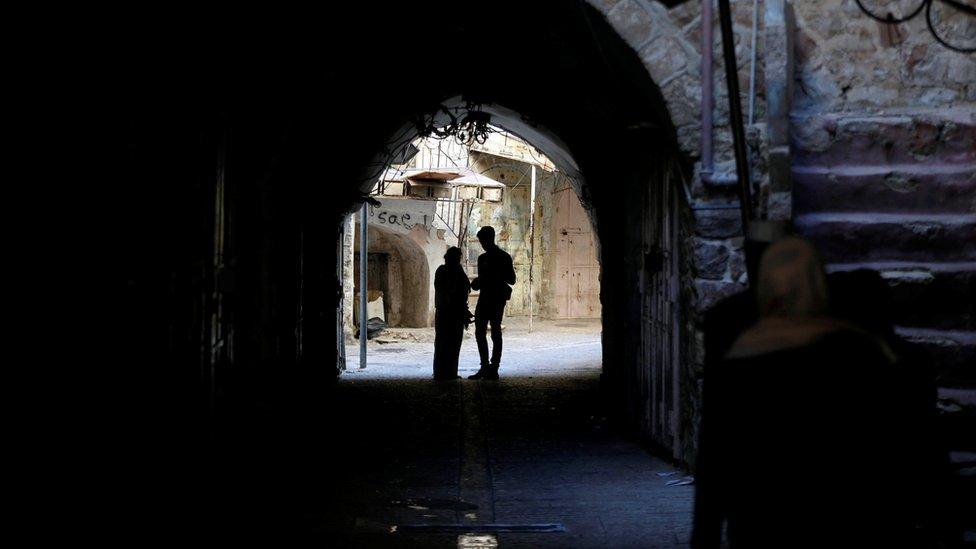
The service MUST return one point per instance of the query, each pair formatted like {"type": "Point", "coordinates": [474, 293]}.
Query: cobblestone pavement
{"type": "Point", "coordinates": [438, 460]}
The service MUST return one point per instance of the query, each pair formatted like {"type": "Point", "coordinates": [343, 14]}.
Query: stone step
{"type": "Point", "coordinates": [892, 188]}
{"type": "Point", "coordinates": [957, 423]}
{"type": "Point", "coordinates": [927, 295]}
{"type": "Point", "coordinates": [953, 354]}
{"type": "Point", "coordinates": [962, 396]}
{"type": "Point", "coordinates": [844, 237]}
{"type": "Point", "coordinates": [932, 137]}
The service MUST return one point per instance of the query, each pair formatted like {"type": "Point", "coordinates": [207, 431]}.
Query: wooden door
{"type": "Point", "coordinates": [577, 288]}
{"type": "Point", "coordinates": [660, 376]}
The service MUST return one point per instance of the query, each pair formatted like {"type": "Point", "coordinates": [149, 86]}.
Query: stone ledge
{"type": "Point", "coordinates": [851, 237]}
{"type": "Point", "coordinates": [718, 224]}
{"type": "Point", "coordinates": [947, 189]}
{"type": "Point", "coordinates": [927, 295]}
{"type": "Point", "coordinates": [965, 397]}
{"type": "Point", "coordinates": [931, 137]}
{"type": "Point", "coordinates": [632, 22]}
{"type": "Point", "coordinates": [953, 353]}
{"type": "Point", "coordinates": [711, 259]}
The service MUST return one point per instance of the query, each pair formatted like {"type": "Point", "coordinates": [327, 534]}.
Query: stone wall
{"type": "Point", "coordinates": [405, 229]}
{"type": "Point", "coordinates": [864, 135]}
{"type": "Point", "coordinates": [845, 65]}
{"type": "Point", "coordinates": [669, 42]}
{"type": "Point", "coordinates": [884, 139]}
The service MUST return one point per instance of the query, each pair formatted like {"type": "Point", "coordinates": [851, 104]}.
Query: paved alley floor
{"type": "Point", "coordinates": [418, 463]}
{"type": "Point", "coordinates": [550, 347]}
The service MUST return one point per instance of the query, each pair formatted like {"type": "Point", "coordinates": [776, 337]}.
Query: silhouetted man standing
{"type": "Point", "coordinates": [495, 274]}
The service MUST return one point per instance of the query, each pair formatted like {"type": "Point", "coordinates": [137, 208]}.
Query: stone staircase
{"type": "Point", "coordinates": [896, 193]}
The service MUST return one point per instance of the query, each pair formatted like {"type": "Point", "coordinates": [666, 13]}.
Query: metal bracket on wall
{"type": "Point", "coordinates": [697, 206]}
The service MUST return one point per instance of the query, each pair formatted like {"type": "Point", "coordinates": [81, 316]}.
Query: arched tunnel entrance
{"type": "Point", "coordinates": [620, 146]}
{"type": "Point", "coordinates": [627, 180]}
{"type": "Point", "coordinates": [249, 243]}
{"type": "Point", "coordinates": [399, 276]}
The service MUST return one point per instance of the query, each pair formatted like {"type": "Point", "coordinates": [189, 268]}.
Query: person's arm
{"type": "Point", "coordinates": [439, 281]}
{"type": "Point", "coordinates": [461, 291]}
{"type": "Point", "coordinates": [476, 283]}
{"type": "Point", "coordinates": [440, 287]}
{"type": "Point", "coordinates": [510, 275]}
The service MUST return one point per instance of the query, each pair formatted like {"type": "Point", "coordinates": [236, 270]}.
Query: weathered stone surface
{"type": "Point", "coordinates": [737, 266]}
{"type": "Point", "coordinates": [632, 22]}
{"type": "Point", "coordinates": [813, 134]}
{"type": "Point", "coordinates": [926, 63]}
{"type": "Point", "coordinates": [936, 97]}
{"type": "Point", "coordinates": [711, 259]}
{"type": "Point", "coordinates": [683, 96]}
{"type": "Point", "coordinates": [871, 96]}
{"type": "Point", "coordinates": [845, 64]}
{"type": "Point", "coordinates": [780, 206]}
{"type": "Point", "coordinates": [921, 137]}
{"type": "Point", "coordinates": [722, 143]}
{"type": "Point", "coordinates": [880, 163]}
{"type": "Point", "coordinates": [962, 69]}
{"type": "Point", "coordinates": [891, 237]}
{"type": "Point", "coordinates": [665, 57]}
{"type": "Point", "coordinates": [689, 140]}
{"type": "Point", "coordinates": [604, 5]}
{"type": "Point", "coordinates": [718, 223]}
{"type": "Point", "coordinates": [886, 189]}
{"type": "Point", "coordinates": [685, 14]}
{"type": "Point", "coordinates": [709, 292]}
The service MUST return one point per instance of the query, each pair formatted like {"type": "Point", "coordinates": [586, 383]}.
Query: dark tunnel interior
{"type": "Point", "coordinates": [213, 157]}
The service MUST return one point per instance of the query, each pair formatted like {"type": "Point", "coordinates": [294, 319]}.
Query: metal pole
{"type": "Point", "coordinates": [707, 93]}
{"type": "Point", "coordinates": [531, 246]}
{"type": "Point", "coordinates": [735, 112]}
{"type": "Point", "coordinates": [363, 279]}
{"type": "Point", "coordinates": [752, 62]}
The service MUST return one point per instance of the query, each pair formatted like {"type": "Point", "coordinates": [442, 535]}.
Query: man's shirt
{"type": "Point", "coordinates": [495, 272]}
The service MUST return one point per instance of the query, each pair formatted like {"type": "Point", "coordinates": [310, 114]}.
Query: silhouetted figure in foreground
{"type": "Point", "coordinates": [799, 447]}
{"type": "Point", "coordinates": [451, 289]}
{"type": "Point", "coordinates": [495, 274]}
{"type": "Point", "coordinates": [863, 298]}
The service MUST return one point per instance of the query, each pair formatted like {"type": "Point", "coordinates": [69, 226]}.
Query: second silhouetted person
{"type": "Point", "coordinates": [496, 273]}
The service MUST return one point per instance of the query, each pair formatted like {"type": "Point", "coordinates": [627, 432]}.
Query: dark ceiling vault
{"type": "Point", "coordinates": [296, 107]}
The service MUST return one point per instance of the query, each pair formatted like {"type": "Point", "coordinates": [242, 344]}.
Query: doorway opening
{"type": "Point", "coordinates": [438, 196]}
{"type": "Point", "coordinates": [398, 276]}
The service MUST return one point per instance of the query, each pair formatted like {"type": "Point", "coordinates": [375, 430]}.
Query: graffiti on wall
{"type": "Point", "coordinates": [403, 215]}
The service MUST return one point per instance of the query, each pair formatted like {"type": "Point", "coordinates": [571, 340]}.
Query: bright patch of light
{"type": "Point", "coordinates": [477, 541]}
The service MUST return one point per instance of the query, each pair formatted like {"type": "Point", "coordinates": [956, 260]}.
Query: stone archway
{"type": "Point", "coordinates": [409, 259]}
{"type": "Point", "coordinates": [669, 56]}
{"type": "Point", "coordinates": [626, 129]}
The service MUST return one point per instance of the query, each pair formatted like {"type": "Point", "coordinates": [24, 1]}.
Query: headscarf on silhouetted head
{"type": "Point", "coordinates": [793, 305]}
